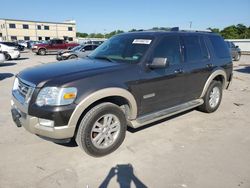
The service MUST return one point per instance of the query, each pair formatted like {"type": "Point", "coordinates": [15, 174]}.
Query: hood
{"type": "Point", "coordinates": [41, 74]}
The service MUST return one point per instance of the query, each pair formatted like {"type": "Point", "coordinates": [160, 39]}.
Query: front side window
{"type": "Point", "coordinates": [195, 49]}
{"type": "Point", "coordinates": [123, 48]}
{"type": "Point", "coordinates": [12, 26]}
{"type": "Point", "coordinates": [25, 26]}
{"type": "Point", "coordinates": [168, 47]}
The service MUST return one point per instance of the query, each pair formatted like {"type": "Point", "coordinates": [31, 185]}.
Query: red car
{"type": "Point", "coordinates": [52, 46]}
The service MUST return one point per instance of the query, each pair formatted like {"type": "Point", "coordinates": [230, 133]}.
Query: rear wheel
{"type": "Point", "coordinates": [212, 98]}
{"type": "Point", "coordinates": [102, 130]}
{"type": "Point", "coordinates": [42, 52]}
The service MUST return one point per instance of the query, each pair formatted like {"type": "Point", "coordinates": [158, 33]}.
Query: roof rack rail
{"type": "Point", "coordinates": [190, 30]}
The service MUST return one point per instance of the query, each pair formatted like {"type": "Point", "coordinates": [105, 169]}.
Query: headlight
{"type": "Point", "coordinates": [54, 96]}
{"type": "Point", "coordinates": [65, 54]}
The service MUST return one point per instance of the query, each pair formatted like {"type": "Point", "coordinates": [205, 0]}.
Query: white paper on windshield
{"type": "Point", "coordinates": [142, 41]}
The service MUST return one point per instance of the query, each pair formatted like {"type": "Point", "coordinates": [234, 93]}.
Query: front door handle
{"type": "Point", "coordinates": [178, 71]}
{"type": "Point", "coordinates": [210, 65]}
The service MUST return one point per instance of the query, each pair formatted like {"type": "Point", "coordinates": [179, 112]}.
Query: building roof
{"type": "Point", "coordinates": [68, 22]}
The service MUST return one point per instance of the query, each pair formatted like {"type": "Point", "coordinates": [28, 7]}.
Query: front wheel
{"type": "Point", "coordinates": [42, 52]}
{"type": "Point", "coordinates": [7, 57]}
{"type": "Point", "coordinates": [212, 98]}
{"type": "Point", "coordinates": [72, 57]}
{"type": "Point", "coordinates": [237, 57]}
{"type": "Point", "coordinates": [102, 130]}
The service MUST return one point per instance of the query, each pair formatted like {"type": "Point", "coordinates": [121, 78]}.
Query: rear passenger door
{"type": "Point", "coordinates": [197, 64]}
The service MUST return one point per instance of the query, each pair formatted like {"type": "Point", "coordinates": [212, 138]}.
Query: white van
{"type": "Point", "coordinates": [10, 52]}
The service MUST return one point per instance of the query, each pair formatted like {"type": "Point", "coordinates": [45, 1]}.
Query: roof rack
{"type": "Point", "coordinates": [190, 30]}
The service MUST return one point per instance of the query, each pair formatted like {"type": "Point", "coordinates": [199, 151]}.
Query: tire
{"type": "Point", "coordinates": [91, 130]}
{"type": "Point", "coordinates": [210, 105]}
{"type": "Point", "coordinates": [237, 57]}
{"type": "Point", "coordinates": [72, 57]}
{"type": "Point", "coordinates": [42, 52]}
{"type": "Point", "coordinates": [7, 57]}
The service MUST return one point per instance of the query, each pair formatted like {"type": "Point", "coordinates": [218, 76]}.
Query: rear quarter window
{"type": "Point", "coordinates": [220, 47]}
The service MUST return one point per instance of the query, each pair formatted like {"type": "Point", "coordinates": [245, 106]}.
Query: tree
{"type": "Point", "coordinates": [83, 35]}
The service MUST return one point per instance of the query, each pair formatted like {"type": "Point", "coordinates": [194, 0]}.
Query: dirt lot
{"type": "Point", "coordinates": [192, 150]}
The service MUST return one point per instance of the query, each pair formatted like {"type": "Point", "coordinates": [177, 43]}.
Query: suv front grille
{"type": "Point", "coordinates": [23, 90]}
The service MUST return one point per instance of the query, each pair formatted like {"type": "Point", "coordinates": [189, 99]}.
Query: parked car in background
{"type": "Point", "coordinates": [52, 46]}
{"type": "Point", "coordinates": [10, 52]}
{"type": "Point", "coordinates": [80, 51]}
{"type": "Point", "coordinates": [22, 43]}
{"type": "Point", "coordinates": [14, 44]}
{"type": "Point", "coordinates": [235, 51]}
{"type": "Point", "coordinates": [2, 57]}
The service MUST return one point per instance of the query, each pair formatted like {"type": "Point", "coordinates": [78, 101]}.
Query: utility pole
{"type": "Point", "coordinates": [190, 24]}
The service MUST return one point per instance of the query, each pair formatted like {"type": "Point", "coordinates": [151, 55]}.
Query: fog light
{"type": "Point", "coordinates": [46, 122]}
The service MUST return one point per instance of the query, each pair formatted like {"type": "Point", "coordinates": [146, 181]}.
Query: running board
{"type": "Point", "coordinates": [146, 119]}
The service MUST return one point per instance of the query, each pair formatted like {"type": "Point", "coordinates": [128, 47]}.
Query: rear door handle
{"type": "Point", "coordinates": [178, 71]}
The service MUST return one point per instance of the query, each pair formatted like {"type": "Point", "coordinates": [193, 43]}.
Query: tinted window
{"type": "Point", "coordinates": [169, 48]}
{"type": "Point", "coordinates": [88, 48]}
{"type": "Point", "coordinates": [220, 47]}
{"type": "Point", "coordinates": [12, 25]}
{"type": "Point", "coordinates": [25, 26]}
{"type": "Point", "coordinates": [194, 48]}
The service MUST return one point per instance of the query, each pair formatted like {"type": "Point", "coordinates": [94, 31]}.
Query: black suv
{"type": "Point", "coordinates": [131, 79]}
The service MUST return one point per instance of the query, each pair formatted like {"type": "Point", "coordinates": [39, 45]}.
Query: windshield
{"type": "Point", "coordinates": [77, 48]}
{"type": "Point", "coordinates": [123, 48]}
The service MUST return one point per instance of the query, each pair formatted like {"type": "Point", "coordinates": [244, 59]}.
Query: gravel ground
{"type": "Point", "coordinates": [193, 149]}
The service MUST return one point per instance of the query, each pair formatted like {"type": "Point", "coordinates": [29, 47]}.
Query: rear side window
{"type": "Point", "coordinates": [195, 49]}
{"type": "Point", "coordinates": [220, 47]}
{"type": "Point", "coordinates": [169, 48]}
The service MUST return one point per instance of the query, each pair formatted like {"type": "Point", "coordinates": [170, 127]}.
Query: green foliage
{"type": "Point", "coordinates": [239, 31]}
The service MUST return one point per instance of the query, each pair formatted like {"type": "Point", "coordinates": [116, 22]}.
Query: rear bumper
{"type": "Point", "coordinates": [31, 124]}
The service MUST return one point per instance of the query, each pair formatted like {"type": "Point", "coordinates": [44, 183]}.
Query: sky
{"type": "Point", "coordinates": [108, 15]}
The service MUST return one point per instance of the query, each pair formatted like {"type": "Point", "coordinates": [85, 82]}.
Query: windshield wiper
{"type": "Point", "coordinates": [104, 58]}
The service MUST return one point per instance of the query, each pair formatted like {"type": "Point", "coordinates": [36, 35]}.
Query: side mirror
{"type": "Point", "coordinates": [236, 46]}
{"type": "Point", "coordinates": [158, 63]}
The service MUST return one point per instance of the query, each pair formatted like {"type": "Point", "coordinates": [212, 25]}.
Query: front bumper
{"type": "Point", "coordinates": [35, 50]}
{"type": "Point", "coordinates": [30, 123]}
{"type": "Point", "coordinates": [60, 57]}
